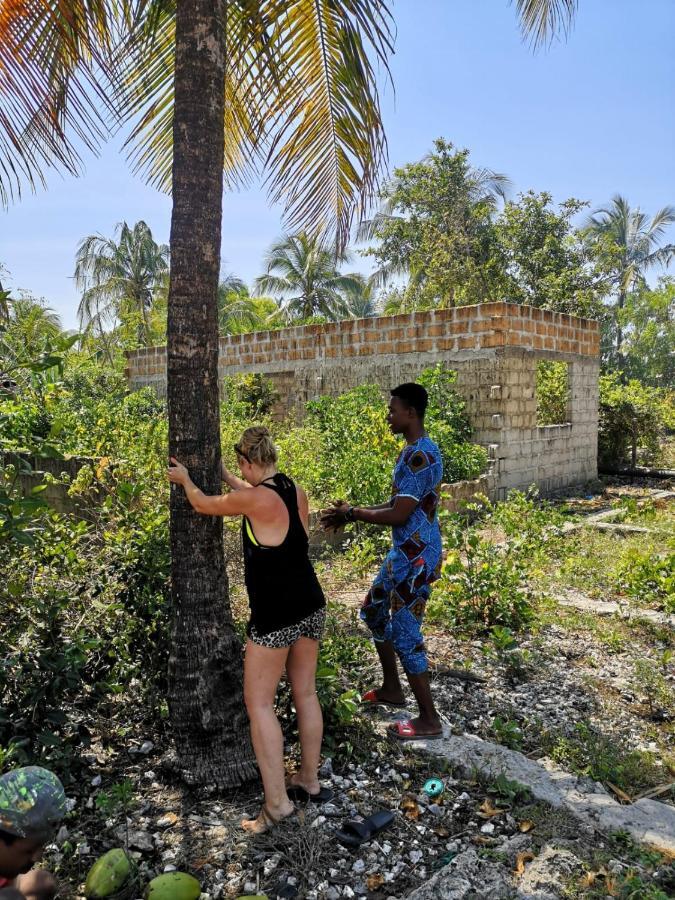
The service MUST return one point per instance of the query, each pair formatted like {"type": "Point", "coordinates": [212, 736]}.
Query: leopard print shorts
{"type": "Point", "coordinates": [311, 627]}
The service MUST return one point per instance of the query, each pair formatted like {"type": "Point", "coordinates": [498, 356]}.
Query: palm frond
{"type": "Point", "coordinates": [146, 90]}
{"type": "Point", "coordinates": [328, 145]}
{"type": "Point", "coordinates": [56, 65]}
{"type": "Point", "coordinates": [542, 20]}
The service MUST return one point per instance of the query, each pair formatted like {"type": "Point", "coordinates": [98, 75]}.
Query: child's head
{"type": "Point", "coordinates": [32, 803]}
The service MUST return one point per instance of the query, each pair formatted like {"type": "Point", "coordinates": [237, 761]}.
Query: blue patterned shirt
{"type": "Point", "coordinates": [418, 473]}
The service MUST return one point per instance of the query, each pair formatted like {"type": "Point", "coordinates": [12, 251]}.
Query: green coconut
{"type": "Point", "coordinates": [112, 877]}
{"type": "Point", "coordinates": [173, 886]}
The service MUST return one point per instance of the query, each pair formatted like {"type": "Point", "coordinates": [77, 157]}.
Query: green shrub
{"type": "Point", "coordinates": [648, 578]}
{"type": "Point", "coordinates": [254, 392]}
{"type": "Point", "coordinates": [481, 585]}
{"type": "Point", "coordinates": [448, 425]}
{"type": "Point", "coordinates": [359, 449]}
{"type": "Point", "coordinates": [632, 417]}
{"type": "Point", "coordinates": [552, 392]}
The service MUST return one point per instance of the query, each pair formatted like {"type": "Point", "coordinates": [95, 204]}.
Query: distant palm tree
{"type": "Point", "coordinates": [119, 278]}
{"type": "Point", "coordinates": [638, 242]}
{"type": "Point", "coordinates": [29, 329]}
{"type": "Point", "coordinates": [237, 310]}
{"type": "Point", "coordinates": [360, 298]}
{"type": "Point", "coordinates": [302, 273]}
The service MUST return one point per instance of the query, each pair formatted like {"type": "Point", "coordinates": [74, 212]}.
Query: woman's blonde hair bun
{"type": "Point", "coordinates": [257, 444]}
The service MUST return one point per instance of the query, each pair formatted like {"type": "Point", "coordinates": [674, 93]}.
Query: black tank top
{"type": "Point", "coordinates": [282, 586]}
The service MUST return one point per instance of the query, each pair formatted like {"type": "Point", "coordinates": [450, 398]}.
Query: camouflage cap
{"type": "Point", "coordinates": [32, 802]}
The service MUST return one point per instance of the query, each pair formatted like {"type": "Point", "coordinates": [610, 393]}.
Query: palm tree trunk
{"type": "Point", "coordinates": [208, 719]}
{"type": "Point", "coordinates": [620, 303]}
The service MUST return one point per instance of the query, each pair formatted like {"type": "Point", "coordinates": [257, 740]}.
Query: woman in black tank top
{"type": "Point", "coordinates": [287, 615]}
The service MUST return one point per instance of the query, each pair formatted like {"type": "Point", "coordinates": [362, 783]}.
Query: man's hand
{"type": "Point", "coordinates": [177, 472]}
{"type": "Point", "coordinates": [336, 517]}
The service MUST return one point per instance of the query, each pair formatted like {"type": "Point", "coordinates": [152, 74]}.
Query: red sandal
{"type": "Point", "coordinates": [405, 731]}
{"type": "Point", "coordinates": [370, 698]}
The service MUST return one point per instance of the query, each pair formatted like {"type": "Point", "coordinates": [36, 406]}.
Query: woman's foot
{"type": "Point", "coordinates": [307, 783]}
{"type": "Point", "coordinates": [267, 819]}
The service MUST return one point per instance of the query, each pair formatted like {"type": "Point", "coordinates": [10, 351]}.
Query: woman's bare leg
{"type": "Point", "coordinates": [263, 667]}
{"type": "Point", "coordinates": [301, 672]}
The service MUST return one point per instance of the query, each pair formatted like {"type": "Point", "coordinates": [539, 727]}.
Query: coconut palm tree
{"type": "Point", "coordinates": [360, 298]}
{"type": "Point", "coordinates": [636, 243]}
{"type": "Point", "coordinates": [119, 278]}
{"type": "Point", "coordinates": [214, 87]}
{"type": "Point", "coordinates": [302, 273]}
{"type": "Point", "coordinates": [237, 310]}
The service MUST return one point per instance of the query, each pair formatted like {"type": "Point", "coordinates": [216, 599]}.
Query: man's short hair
{"type": "Point", "coordinates": [7, 838]}
{"type": "Point", "coordinates": [413, 395]}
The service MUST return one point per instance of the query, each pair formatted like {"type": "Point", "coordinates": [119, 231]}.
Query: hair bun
{"type": "Point", "coordinates": [257, 444]}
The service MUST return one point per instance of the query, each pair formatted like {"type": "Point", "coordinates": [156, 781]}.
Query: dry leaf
{"type": "Point", "coordinates": [410, 808]}
{"type": "Point", "coordinates": [521, 861]}
{"type": "Point", "coordinates": [482, 841]}
{"type": "Point", "coordinates": [373, 882]}
{"type": "Point", "coordinates": [487, 809]}
{"type": "Point", "coordinates": [441, 831]}
{"type": "Point", "coordinates": [525, 826]}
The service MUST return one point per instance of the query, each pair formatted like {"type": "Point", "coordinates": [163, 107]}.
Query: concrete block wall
{"type": "Point", "coordinates": [493, 346]}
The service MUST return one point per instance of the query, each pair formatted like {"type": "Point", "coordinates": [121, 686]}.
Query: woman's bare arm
{"type": "Point", "coordinates": [237, 484]}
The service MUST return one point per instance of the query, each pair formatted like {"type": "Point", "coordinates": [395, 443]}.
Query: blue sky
{"type": "Point", "coordinates": [590, 117]}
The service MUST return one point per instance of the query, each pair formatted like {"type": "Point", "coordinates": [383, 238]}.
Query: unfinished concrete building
{"type": "Point", "coordinates": [495, 349]}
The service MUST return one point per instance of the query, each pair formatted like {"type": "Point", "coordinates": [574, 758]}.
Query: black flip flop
{"type": "Point", "coordinates": [298, 794]}
{"type": "Point", "coordinates": [354, 833]}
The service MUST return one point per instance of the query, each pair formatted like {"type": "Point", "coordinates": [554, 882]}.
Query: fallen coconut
{"type": "Point", "coordinates": [112, 877]}
{"type": "Point", "coordinates": [173, 886]}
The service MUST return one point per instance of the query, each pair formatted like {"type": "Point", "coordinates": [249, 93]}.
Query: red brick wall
{"type": "Point", "coordinates": [481, 327]}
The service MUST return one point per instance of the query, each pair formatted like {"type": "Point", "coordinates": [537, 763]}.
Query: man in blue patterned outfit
{"type": "Point", "coordinates": [394, 606]}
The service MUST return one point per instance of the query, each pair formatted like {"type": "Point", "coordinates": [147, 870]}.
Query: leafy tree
{"type": "Point", "coordinates": [547, 262]}
{"type": "Point", "coordinates": [633, 245]}
{"type": "Point", "coordinates": [119, 279]}
{"type": "Point", "coordinates": [648, 325]}
{"type": "Point", "coordinates": [435, 227]}
{"type": "Point", "coordinates": [302, 272]}
{"type": "Point", "coordinates": [632, 416]}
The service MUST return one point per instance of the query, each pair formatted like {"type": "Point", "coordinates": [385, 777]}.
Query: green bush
{"type": "Point", "coordinates": [633, 417]}
{"type": "Point", "coordinates": [358, 449]}
{"type": "Point", "coordinates": [481, 585]}
{"type": "Point", "coordinates": [448, 425]}
{"type": "Point", "coordinates": [552, 392]}
{"type": "Point", "coordinates": [648, 578]}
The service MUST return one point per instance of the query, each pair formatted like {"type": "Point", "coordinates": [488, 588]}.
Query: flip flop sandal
{"type": "Point", "coordinates": [298, 794]}
{"type": "Point", "coordinates": [354, 833]}
{"type": "Point", "coordinates": [405, 731]}
{"type": "Point", "coordinates": [370, 698]}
